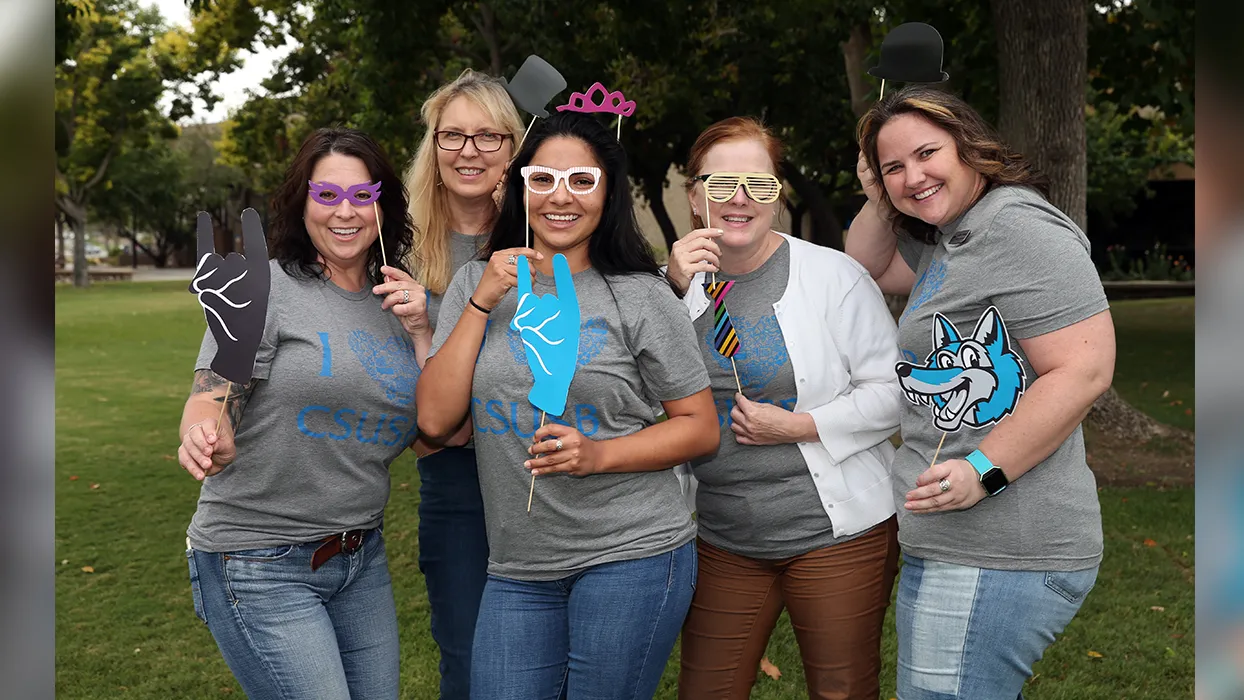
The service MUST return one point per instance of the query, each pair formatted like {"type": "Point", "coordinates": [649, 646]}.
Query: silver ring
{"type": "Point", "coordinates": [944, 485]}
{"type": "Point", "coordinates": [511, 260]}
{"type": "Point", "coordinates": [557, 446]}
{"type": "Point", "coordinates": [405, 296]}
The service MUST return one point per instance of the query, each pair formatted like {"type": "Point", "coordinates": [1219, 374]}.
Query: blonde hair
{"type": "Point", "coordinates": [430, 259]}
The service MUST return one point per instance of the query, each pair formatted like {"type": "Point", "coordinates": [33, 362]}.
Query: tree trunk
{"type": "Point", "coordinates": [486, 23]}
{"type": "Point", "coordinates": [1041, 114]}
{"type": "Point", "coordinates": [654, 192]}
{"type": "Point", "coordinates": [854, 50]}
{"type": "Point", "coordinates": [75, 214]}
{"type": "Point", "coordinates": [1043, 77]}
{"type": "Point", "coordinates": [796, 218]}
{"type": "Point", "coordinates": [826, 230]}
{"type": "Point", "coordinates": [135, 246]}
{"type": "Point", "coordinates": [1111, 414]}
{"type": "Point", "coordinates": [60, 240]}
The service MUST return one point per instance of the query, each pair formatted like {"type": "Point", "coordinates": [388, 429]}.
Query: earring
{"type": "Point", "coordinates": [695, 212]}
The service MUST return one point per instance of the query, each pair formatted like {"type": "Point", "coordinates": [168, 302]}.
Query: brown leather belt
{"type": "Point", "coordinates": [348, 542]}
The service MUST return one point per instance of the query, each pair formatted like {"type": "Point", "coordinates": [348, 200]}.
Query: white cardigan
{"type": "Point", "coordinates": [843, 346]}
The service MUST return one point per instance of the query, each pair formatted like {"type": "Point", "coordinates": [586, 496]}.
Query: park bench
{"type": "Point", "coordinates": [98, 274]}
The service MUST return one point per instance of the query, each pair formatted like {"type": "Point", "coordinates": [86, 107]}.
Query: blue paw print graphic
{"type": "Point", "coordinates": [391, 362]}
{"type": "Point", "coordinates": [762, 351]}
{"type": "Point", "coordinates": [930, 283]}
{"type": "Point", "coordinates": [592, 335]}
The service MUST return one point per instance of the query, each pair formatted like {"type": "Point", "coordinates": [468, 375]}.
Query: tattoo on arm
{"type": "Point", "coordinates": [207, 381]}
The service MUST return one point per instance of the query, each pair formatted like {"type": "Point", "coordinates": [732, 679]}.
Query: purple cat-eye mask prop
{"type": "Point", "coordinates": [330, 195]}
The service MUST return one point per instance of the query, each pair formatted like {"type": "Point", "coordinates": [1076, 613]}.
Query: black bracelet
{"type": "Point", "coordinates": [482, 309]}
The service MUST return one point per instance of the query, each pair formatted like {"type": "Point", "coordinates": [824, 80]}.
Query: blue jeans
{"type": "Point", "coordinates": [602, 634]}
{"type": "Point", "coordinates": [972, 633]}
{"type": "Point", "coordinates": [453, 556]}
{"type": "Point", "coordinates": [288, 632]}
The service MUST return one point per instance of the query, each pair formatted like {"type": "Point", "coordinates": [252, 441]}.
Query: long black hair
{"type": "Point", "coordinates": [617, 246]}
{"type": "Point", "coordinates": [291, 244]}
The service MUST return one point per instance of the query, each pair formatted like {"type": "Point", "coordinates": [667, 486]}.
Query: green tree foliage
{"type": "Point", "coordinates": [116, 63]}
{"type": "Point", "coordinates": [1141, 54]}
{"type": "Point", "coordinates": [370, 63]}
{"type": "Point", "coordinates": [1126, 146]}
{"type": "Point", "coordinates": [159, 188]}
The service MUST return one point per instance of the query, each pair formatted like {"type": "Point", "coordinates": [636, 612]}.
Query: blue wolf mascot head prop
{"type": "Point", "coordinates": [974, 381]}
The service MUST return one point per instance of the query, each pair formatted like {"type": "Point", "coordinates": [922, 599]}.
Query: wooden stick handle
{"type": "Point", "coordinates": [221, 415]}
{"type": "Point", "coordinates": [528, 131]}
{"type": "Point", "coordinates": [375, 207]}
{"type": "Point", "coordinates": [938, 450]}
{"type": "Point", "coordinates": [532, 492]}
{"type": "Point", "coordinates": [736, 375]}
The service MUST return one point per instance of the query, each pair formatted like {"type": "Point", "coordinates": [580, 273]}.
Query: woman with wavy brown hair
{"type": "Point", "coordinates": [1006, 341]}
{"type": "Point", "coordinates": [286, 551]}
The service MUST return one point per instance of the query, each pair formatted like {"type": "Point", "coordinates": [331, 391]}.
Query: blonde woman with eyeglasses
{"type": "Point", "coordinates": [471, 130]}
{"type": "Point", "coordinates": [794, 509]}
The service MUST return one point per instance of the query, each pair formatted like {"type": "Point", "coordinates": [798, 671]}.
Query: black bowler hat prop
{"type": "Point", "coordinates": [233, 291]}
{"type": "Point", "coordinates": [911, 53]}
{"type": "Point", "coordinates": [535, 83]}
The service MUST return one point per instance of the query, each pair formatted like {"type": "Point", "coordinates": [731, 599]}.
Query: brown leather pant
{"type": "Point", "coordinates": [837, 598]}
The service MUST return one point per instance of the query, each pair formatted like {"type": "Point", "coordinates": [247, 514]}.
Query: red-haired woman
{"type": "Point", "coordinates": [795, 509]}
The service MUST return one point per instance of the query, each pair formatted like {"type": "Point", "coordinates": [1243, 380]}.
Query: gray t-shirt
{"type": "Point", "coordinates": [335, 406]}
{"type": "Point", "coordinates": [1015, 253]}
{"type": "Point", "coordinates": [756, 500]}
{"type": "Point", "coordinates": [636, 348]}
{"type": "Point", "coordinates": [462, 249]}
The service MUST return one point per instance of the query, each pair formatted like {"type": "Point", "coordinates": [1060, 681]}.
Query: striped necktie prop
{"type": "Point", "coordinates": [725, 339]}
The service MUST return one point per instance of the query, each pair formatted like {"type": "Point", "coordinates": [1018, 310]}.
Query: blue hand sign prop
{"type": "Point", "coordinates": [549, 328]}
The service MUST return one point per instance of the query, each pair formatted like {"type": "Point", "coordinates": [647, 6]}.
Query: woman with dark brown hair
{"type": "Point", "coordinates": [286, 553]}
{"type": "Point", "coordinates": [1006, 341]}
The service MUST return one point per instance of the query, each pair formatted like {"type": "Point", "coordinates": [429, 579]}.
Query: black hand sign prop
{"type": "Point", "coordinates": [233, 292]}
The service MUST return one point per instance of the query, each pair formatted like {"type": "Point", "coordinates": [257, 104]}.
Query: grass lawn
{"type": "Point", "coordinates": [1154, 369]}
{"type": "Point", "coordinates": [126, 628]}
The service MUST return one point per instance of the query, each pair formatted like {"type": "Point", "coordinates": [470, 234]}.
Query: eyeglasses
{"type": "Point", "coordinates": [580, 180]}
{"type": "Point", "coordinates": [761, 187]}
{"type": "Point", "coordinates": [485, 141]}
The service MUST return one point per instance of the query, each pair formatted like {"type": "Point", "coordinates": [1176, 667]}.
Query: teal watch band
{"type": "Point", "coordinates": [979, 462]}
{"type": "Point", "coordinates": [992, 478]}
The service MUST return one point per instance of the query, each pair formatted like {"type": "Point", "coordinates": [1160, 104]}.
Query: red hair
{"type": "Point", "coordinates": [732, 129]}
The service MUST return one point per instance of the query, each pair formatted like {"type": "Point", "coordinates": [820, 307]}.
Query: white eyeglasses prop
{"type": "Point", "coordinates": [580, 180]}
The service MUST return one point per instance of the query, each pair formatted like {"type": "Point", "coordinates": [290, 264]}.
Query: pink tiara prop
{"type": "Point", "coordinates": [613, 102]}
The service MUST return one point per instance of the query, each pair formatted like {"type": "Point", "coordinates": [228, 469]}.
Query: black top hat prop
{"type": "Point", "coordinates": [910, 53]}
{"type": "Point", "coordinates": [535, 83]}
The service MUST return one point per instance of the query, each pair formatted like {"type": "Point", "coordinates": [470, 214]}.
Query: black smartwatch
{"type": "Point", "coordinates": [991, 477]}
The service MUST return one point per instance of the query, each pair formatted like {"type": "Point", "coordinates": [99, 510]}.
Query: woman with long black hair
{"type": "Point", "coordinates": [587, 590]}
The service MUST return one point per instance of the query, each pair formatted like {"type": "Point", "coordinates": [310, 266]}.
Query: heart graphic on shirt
{"type": "Point", "coordinates": [930, 283]}
{"type": "Point", "coordinates": [762, 351]}
{"type": "Point", "coordinates": [391, 362]}
{"type": "Point", "coordinates": [592, 335]}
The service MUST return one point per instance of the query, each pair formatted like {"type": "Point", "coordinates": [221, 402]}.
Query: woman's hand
{"type": "Point", "coordinates": [872, 188]}
{"type": "Point", "coordinates": [695, 252]}
{"type": "Point", "coordinates": [963, 490]}
{"type": "Point", "coordinates": [407, 298]}
{"type": "Point", "coordinates": [501, 275]}
{"type": "Point", "coordinates": [568, 452]}
{"type": "Point", "coordinates": [755, 423]}
{"type": "Point", "coordinates": [203, 451]}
